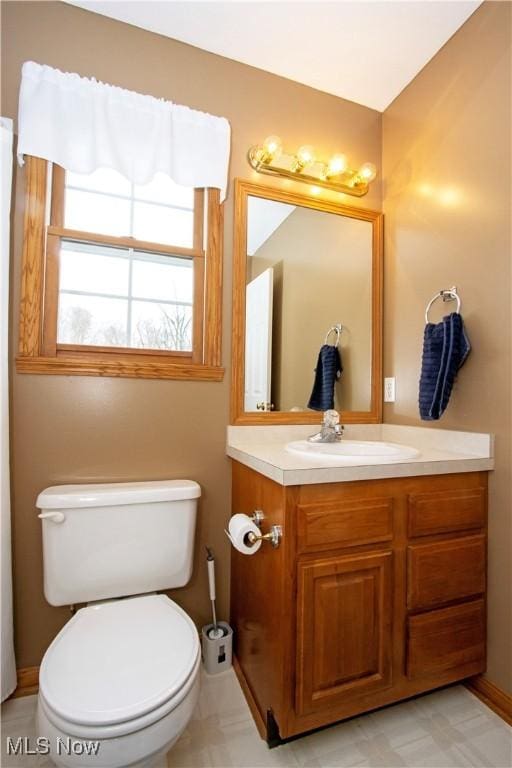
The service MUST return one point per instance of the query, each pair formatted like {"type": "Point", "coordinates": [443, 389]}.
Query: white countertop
{"type": "Point", "coordinates": [441, 451]}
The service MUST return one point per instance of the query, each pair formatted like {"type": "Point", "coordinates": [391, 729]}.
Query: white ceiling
{"type": "Point", "coordinates": [363, 51]}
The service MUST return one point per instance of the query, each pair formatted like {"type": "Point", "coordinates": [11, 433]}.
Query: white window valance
{"type": "Point", "coordinates": [83, 125]}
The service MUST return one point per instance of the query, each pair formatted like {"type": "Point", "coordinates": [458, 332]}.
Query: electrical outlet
{"type": "Point", "coordinates": [389, 389]}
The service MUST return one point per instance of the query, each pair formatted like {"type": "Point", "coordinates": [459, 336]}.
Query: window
{"type": "Point", "coordinates": [128, 257]}
{"type": "Point", "coordinates": [119, 279]}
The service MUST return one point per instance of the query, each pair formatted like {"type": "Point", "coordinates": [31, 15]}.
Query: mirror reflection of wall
{"type": "Point", "coordinates": [321, 274]}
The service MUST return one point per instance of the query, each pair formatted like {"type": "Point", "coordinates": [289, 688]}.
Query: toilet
{"type": "Point", "coordinates": [120, 681]}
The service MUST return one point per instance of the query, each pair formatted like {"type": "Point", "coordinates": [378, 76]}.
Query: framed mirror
{"type": "Point", "coordinates": [307, 291]}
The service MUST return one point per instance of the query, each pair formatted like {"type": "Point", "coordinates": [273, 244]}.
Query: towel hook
{"type": "Point", "coordinates": [337, 329]}
{"type": "Point", "coordinates": [446, 294]}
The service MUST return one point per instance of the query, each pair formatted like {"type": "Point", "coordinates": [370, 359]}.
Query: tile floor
{"type": "Point", "coordinates": [440, 730]}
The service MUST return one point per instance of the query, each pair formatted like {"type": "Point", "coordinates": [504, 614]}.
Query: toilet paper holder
{"type": "Point", "coordinates": [257, 517]}
{"type": "Point", "coordinates": [274, 536]}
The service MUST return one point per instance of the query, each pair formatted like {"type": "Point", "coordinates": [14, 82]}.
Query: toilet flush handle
{"type": "Point", "coordinates": [55, 517]}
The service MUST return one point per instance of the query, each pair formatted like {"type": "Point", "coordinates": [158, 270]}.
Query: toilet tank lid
{"type": "Point", "coordinates": [114, 494]}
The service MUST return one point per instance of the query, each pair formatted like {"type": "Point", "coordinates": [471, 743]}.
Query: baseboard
{"type": "Point", "coordinates": [27, 682]}
{"type": "Point", "coordinates": [251, 701]}
{"type": "Point", "coordinates": [496, 699]}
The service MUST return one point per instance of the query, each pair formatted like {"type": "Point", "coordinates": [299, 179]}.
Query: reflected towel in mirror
{"type": "Point", "coordinates": [328, 370]}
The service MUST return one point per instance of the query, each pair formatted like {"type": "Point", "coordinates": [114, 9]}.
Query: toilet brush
{"type": "Point", "coordinates": [215, 632]}
{"type": "Point", "coordinates": [216, 638]}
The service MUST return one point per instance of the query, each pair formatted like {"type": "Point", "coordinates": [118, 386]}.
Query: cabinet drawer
{"type": "Point", "coordinates": [445, 639]}
{"type": "Point", "coordinates": [445, 511]}
{"type": "Point", "coordinates": [443, 571]}
{"type": "Point", "coordinates": [344, 524]}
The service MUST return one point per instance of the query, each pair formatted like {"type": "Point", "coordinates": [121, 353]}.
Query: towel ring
{"type": "Point", "coordinates": [335, 329]}
{"type": "Point", "coordinates": [447, 294]}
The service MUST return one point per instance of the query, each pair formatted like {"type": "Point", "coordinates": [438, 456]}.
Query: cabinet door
{"type": "Point", "coordinates": [343, 629]}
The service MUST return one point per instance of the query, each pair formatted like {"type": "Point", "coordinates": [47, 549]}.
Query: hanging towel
{"type": "Point", "coordinates": [445, 350]}
{"type": "Point", "coordinates": [328, 370]}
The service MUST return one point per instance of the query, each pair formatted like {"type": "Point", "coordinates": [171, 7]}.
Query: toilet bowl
{"type": "Point", "coordinates": [119, 683]}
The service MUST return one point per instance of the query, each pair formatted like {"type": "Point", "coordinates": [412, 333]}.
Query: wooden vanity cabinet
{"type": "Point", "coordinates": [376, 593]}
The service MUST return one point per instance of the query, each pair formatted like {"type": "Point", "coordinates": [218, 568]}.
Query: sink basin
{"type": "Point", "coordinates": [354, 451]}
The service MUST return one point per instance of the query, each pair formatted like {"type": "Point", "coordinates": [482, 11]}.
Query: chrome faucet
{"type": "Point", "coordinates": [331, 431]}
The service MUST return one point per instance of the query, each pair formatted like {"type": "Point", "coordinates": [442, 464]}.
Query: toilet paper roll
{"type": "Point", "coordinates": [239, 526]}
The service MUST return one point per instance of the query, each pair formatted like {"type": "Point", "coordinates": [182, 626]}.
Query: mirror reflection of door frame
{"type": "Point", "coordinates": [244, 189]}
{"type": "Point", "coordinates": [258, 342]}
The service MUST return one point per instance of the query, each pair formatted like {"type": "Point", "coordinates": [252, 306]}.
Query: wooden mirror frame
{"type": "Point", "coordinates": [244, 189]}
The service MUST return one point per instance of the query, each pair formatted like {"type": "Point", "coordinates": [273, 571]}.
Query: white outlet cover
{"type": "Point", "coordinates": [389, 389]}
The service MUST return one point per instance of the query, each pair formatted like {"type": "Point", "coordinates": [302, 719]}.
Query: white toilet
{"type": "Point", "coordinates": [120, 681]}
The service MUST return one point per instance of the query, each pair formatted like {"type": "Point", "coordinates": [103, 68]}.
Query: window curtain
{"type": "Point", "coordinates": [8, 662]}
{"type": "Point", "coordinates": [82, 125]}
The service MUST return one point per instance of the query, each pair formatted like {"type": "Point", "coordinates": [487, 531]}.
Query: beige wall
{"type": "Point", "coordinates": [446, 165]}
{"type": "Point", "coordinates": [447, 221]}
{"type": "Point", "coordinates": [324, 278]}
{"type": "Point", "coordinates": [73, 429]}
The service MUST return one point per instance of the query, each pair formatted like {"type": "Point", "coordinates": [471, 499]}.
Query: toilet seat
{"type": "Point", "coordinates": [117, 667]}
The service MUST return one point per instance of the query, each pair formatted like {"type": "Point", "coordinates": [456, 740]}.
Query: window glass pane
{"type": "Point", "coordinates": [161, 326]}
{"type": "Point", "coordinates": [163, 190]}
{"type": "Point", "coordinates": [92, 320]}
{"type": "Point", "coordinates": [93, 269]}
{"type": "Point", "coordinates": [102, 180]}
{"type": "Point", "coordinates": [106, 203]}
{"type": "Point", "coordinates": [90, 212]}
{"type": "Point", "coordinates": [164, 278]}
{"type": "Point", "coordinates": [160, 224]}
{"type": "Point", "coordinates": [154, 308]}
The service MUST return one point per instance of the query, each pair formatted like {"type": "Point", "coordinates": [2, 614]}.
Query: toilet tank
{"type": "Point", "coordinates": [116, 539]}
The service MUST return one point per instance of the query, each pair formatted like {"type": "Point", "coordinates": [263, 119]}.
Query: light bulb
{"type": "Point", "coordinates": [272, 147]}
{"type": "Point", "coordinates": [305, 155]}
{"type": "Point", "coordinates": [337, 164]}
{"type": "Point", "coordinates": [367, 172]}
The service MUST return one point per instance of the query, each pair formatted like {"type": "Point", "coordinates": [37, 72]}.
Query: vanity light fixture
{"type": "Point", "coordinates": [335, 174]}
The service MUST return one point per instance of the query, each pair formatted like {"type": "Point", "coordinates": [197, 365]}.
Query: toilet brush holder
{"type": "Point", "coordinates": [217, 648]}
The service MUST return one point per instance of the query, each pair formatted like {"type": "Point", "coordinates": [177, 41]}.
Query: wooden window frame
{"type": "Point", "coordinates": [38, 350]}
